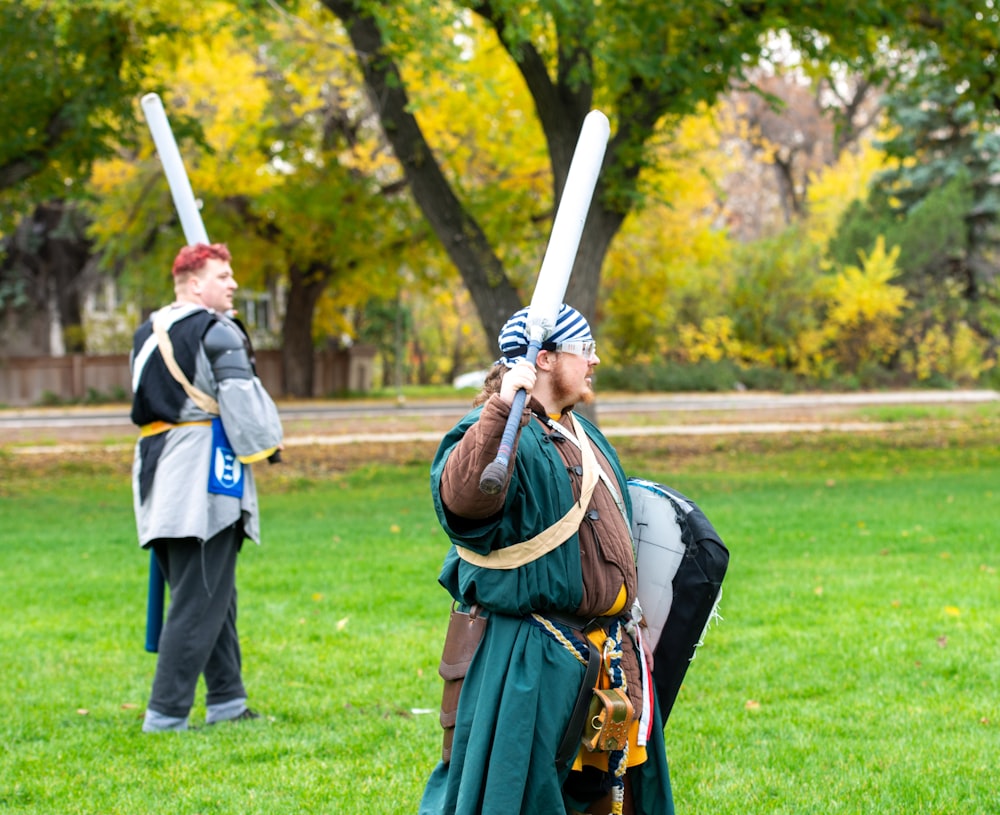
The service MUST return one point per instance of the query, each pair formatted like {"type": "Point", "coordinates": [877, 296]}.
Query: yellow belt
{"type": "Point", "coordinates": [155, 428]}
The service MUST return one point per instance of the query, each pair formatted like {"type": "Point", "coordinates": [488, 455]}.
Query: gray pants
{"type": "Point", "coordinates": [199, 635]}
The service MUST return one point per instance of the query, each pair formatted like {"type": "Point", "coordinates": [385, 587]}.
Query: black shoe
{"type": "Point", "coordinates": [245, 716]}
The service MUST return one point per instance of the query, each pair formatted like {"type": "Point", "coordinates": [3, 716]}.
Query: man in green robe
{"type": "Point", "coordinates": [545, 560]}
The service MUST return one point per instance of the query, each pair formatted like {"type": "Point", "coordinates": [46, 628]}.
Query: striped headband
{"type": "Point", "coordinates": [513, 339]}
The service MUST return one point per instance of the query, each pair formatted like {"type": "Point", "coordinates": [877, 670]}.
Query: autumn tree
{"type": "Point", "coordinates": [46, 266]}
{"type": "Point", "coordinates": [292, 175]}
{"type": "Point", "coordinates": [937, 202]}
{"type": "Point", "coordinates": [562, 58]}
{"type": "Point", "coordinates": [785, 125]}
{"type": "Point", "coordinates": [667, 267]}
{"type": "Point", "coordinates": [68, 71]}
{"type": "Point", "coordinates": [794, 122]}
{"type": "Point", "coordinates": [643, 64]}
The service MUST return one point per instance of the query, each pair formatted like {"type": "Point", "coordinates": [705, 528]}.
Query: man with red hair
{"type": "Point", "coordinates": [204, 417]}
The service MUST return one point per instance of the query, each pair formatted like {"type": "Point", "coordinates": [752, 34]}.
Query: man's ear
{"type": "Point", "coordinates": [546, 360]}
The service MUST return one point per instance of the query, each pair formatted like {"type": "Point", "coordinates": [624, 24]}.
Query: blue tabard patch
{"type": "Point", "coordinates": [225, 473]}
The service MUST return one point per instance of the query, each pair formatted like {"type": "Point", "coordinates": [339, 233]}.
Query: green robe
{"type": "Point", "coordinates": [521, 686]}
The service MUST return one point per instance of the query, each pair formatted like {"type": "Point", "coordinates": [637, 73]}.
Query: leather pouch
{"type": "Point", "coordinates": [465, 631]}
{"type": "Point", "coordinates": [608, 721]}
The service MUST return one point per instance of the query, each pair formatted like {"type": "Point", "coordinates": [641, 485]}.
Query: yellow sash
{"type": "Point", "coordinates": [155, 428]}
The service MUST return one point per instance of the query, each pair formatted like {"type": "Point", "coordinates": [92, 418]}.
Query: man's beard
{"type": "Point", "coordinates": [567, 389]}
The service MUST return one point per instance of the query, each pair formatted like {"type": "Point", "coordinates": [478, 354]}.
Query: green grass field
{"type": "Point", "coordinates": [855, 671]}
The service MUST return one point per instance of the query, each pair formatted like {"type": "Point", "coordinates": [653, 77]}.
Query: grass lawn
{"type": "Point", "coordinates": [856, 669]}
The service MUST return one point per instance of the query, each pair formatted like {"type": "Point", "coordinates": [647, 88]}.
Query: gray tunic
{"type": "Point", "coordinates": [178, 504]}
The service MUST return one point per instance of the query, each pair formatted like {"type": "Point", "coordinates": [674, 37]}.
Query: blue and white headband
{"type": "Point", "coordinates": [513, 340]}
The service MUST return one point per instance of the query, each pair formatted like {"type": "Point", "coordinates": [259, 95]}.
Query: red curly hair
{"type": "Point", "coordinates": [192, 258]}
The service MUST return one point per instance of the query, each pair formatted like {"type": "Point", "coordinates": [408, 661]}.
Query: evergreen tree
{"type": "Point", "coordinates": [938, 201]}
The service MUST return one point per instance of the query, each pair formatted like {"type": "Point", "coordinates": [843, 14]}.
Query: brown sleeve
{"type": "Point", "coordinates": [460, 491]}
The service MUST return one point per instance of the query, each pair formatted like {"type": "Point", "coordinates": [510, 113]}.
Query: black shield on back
{"type": "Point", "coordinates": [696, 588]}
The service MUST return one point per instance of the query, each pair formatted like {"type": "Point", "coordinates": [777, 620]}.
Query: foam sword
{"type": "Point", "coordinates": [194, 232]}
{"type": "Point", "coordinates": [553, 277]}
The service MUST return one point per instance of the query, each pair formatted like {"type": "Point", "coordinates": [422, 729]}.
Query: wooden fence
{"type": "Point", "coordinates": [26, 381]}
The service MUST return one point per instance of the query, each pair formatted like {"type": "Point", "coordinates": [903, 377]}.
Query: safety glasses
{"type": "Point", "coordinates": [582, 348]}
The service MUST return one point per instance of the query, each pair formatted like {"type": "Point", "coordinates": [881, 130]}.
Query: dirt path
{"type": "Point", "coordinates": [325, 437]}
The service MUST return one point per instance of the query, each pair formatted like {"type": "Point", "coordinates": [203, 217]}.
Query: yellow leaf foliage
{"type": "Point", "coordinates": [834, 188]}
{"type": "Point", "coordinates": [218, 81]}
{"type": "Point", "coordinates": [864, 308]}
{"type": "Point", "coordinates": [715, 339]}
{"type": "Point", "coordinates": [961, 357]}
{"type": "Point", "coordinates": [495, 153]}
{"type": "Point", "coordinates": [272, 187]}
{"type": "Point", "coordinates": [667, 257]}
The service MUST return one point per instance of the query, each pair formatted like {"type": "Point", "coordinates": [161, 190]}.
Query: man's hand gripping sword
{"type": "Point", "coordinates": [553, 277]}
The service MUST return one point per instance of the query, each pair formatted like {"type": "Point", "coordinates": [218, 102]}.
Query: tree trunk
{"type": "Point", "coordinates": [305, 288]}
{"type": "Point", "coordinates": [51, 253]}
{"type": "Point", "coordinates": [460, 234]}
{"type": "Point", "coordinates": [562, 106]}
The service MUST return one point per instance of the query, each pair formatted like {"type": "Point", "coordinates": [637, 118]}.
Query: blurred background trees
{"type": "Point", "coordinates": [792, 195]}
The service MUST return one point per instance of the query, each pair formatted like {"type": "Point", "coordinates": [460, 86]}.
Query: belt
{"type": "Point", "coordinates": [570, 744]}
{"type": "Point", "coordinates": [578, 623]}
{"type": "Point", "coordinates": [155, 428]}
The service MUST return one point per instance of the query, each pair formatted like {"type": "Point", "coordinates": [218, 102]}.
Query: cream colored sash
{"type": "Point", "coordinates": [511, 557]}
{"type": "Point", "coordinates": [199, 397]}
{"type": "Point", "coordinates": [600, 472]}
